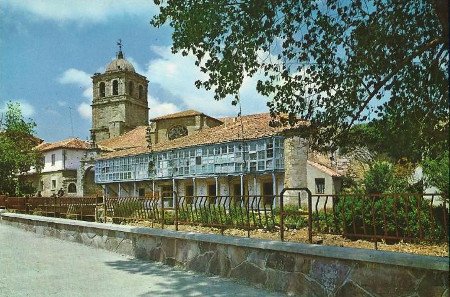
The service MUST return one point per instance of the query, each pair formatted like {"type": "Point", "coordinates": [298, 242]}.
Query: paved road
{"type": "Point", "coordinates": [31, 265]}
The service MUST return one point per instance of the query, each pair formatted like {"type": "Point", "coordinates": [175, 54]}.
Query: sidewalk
{"type": "Point", "coordinates": [31, 265]}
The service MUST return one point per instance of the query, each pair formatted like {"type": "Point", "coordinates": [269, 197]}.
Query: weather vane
{"type": "Point", "coordinates": [119, 43]}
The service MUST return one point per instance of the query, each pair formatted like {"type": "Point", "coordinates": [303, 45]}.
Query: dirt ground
{"type": "Point", "coordinates": [301, 235]}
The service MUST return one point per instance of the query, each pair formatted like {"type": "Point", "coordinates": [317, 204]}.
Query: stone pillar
{"type": "Point", "coordinates": [295, 164]}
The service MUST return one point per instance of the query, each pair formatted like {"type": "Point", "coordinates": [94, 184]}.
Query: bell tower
{"type": "Point", "coordinates": [119, 99]}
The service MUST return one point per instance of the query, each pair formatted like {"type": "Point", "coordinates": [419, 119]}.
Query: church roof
{"type": "Point", "coordinates": [181, 114]}
{"type": "Point", "coordinates": [233, 129]}
{"type": "Point", "coordinates": [71, 143]}
{"type": "Point", "coordinates": [131, 139]}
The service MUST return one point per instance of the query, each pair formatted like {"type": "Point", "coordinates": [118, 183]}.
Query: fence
{"type": "Point", "coordinates": [80, 208]}
{"type": "Point", "coordinates": [390, 217]}
{"type": "Point", "coordinates": [410, 217]}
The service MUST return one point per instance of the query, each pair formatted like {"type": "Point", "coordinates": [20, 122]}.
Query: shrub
{"type": "Point", "coordinates": [391, 215]}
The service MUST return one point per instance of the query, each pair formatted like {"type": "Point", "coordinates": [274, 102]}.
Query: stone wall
{"type": "Point", "coordinates": [293, 268]}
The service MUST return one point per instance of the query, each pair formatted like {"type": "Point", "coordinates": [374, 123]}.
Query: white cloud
{"type": "Point", "coordinates": [79, 78]}
{"type": "Point", "coordinates": [75, 76]}
{"type": "Point", "coordinates": [84, 109]}
{"type": "Point", "coordinates": [177, 74]}
{"type": "Point", "coordinates": [83, 11]}
{"type": "Point", "coordinates": [158, 108]}
{"type": "Point", "coordinates": [26, 108]}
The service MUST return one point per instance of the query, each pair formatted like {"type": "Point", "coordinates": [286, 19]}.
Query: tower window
{"type": "Point", "coordinates": [130, 88]}
{"type": "Point", "coordinates": [141, 92]}
{"type": "Point", "coordinates": [102, 89]}
{"type": "Point", "coordinates": [115, 87]}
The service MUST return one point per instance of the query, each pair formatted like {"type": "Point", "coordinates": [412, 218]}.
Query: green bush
{"type": "Point", "coordinates": [293, 218]}
{"type": "Point", "coordinates": [391, 215]}
{"type": "Point", "coordinates": [128, 209]}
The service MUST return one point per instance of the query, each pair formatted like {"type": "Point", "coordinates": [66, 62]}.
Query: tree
{"type": "Point", "coordinates": [335, 63]}
{"type": "Point", "coordinates": [16, 149]}
{"type": "Point", "coordinates": [436, 173]}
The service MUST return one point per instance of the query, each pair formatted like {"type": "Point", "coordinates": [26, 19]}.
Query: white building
{"type": "Point", "coordinates": [61, 161]}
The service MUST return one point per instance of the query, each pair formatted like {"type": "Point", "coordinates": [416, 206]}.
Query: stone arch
{"type": "Point", "coordinates": [90, 188]}
{"type": "Point", "coordinates": [141, 92]}
{"type": "Point", "coordinates": [115, 87]}
{"type": "Point", "coordinates": [72, 188]}
{"type": "Point", "coordinates": [101, 88]}
{"type": "Point", "coordinates": [130, 88]}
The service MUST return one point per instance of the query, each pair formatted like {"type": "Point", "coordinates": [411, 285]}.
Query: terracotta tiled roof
{"type": "Point", "coordinates": [324, 169]}
{"type": "Point", "coordinates": [181, 114]}
{"type": "Point", "coordinates": [253, 126]}
{"type": "Point", "coordinates": [131, 139]}
{"type": "Point", "coordinates": [71, 143]}
{"type": "Point", "coordinates": [185, 113]}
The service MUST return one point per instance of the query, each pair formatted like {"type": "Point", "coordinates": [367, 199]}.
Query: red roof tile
{"type": "Point", "coordinates": [71, 143]}
{"type": "Point", "coordinates": [233, 129]}
{"type": "Point", "coordinates": [324, 169]}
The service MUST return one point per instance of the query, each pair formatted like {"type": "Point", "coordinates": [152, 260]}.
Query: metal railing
{"type": "Point", "coordinates": [79, 208]}
{"type": "Point", "coordinates": [389, 217]}
{"type": "Point", "coordinates": [412, 217]}
{"type": "Point", "coordinates": [223, 212]}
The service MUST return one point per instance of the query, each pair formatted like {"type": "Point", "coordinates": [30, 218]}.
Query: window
{"type": "Point", "coordinates": [72, 188]}
{"type": "Point", "coordinates": [141, 92]}
{"type": "Point", "coordinates": [102, 89]}
{"type": "Point", "coordinates": [176, 132]}
{"type": "Point", "coordinates": [53, 184]}
{"type": "Point", "coordinates": [198, 160]}
{"type": "Point", "coordinates": [130, 88]}
{"type": "Point", "coordinates": [269, 150]}
{"type": "Point", "coordinates": [115, 87]}
{"type": "Point", "coordinates": [320, 185]}
{"type": "Point", "coordinates": [53, 159]}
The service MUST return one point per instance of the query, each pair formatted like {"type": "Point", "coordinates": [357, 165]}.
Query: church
{"type": "Point", "coordinates": [188, 152]}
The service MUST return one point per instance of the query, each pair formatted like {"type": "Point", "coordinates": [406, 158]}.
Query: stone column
{"type": "Point", "coordinates": [295, 163]}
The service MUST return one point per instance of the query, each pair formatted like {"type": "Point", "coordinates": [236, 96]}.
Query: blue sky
{"type": "Point", "coordinates": [50, 48]}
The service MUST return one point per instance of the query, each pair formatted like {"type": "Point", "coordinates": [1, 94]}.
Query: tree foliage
{"type": "Point", "coordinates": [333, 62]}
{"type": "Point", "coordinates": [16, 149]}
{"type": "Point", "coordinates": [436, 173]}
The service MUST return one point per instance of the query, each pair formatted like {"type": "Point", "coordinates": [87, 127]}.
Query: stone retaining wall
{"type": "Point", "coordinates": [294, 268]}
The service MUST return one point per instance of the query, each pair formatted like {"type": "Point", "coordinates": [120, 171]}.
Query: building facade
{"type": "Point", "coordinates": [61, 162]}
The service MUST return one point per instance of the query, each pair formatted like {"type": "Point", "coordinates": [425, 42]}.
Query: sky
{"type": "Point", "coordinates": [49, 49]}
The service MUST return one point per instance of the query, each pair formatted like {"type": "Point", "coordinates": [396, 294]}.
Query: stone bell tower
{"type": "Point", "coordinates": [119, 99]}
